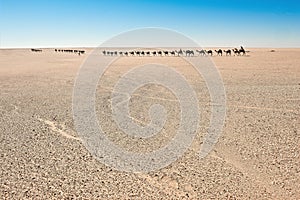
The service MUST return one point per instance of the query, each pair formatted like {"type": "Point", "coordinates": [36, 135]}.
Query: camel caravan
{"type": "Point", "coordinates": [79, 52]}
{"type": "Point", "coordinates": [70, 51]}
{"type": "Point", "coordinates": [219, 52]}
{"type": "Point", "coordinates": [36, 50]}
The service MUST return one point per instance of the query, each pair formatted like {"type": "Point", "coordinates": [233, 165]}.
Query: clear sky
{"type": "Point", "coordinates": [88, 23]}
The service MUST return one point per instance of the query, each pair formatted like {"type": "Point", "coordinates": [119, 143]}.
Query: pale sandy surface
{"type": "Point", "coordinates": [257, 156]}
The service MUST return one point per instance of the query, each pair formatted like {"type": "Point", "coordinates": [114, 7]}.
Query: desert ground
{"type": "Point", "coordinates": [257, 155]}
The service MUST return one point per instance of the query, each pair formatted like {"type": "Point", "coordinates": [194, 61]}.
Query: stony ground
{"type": "Point", "coordinates": [257, 156]}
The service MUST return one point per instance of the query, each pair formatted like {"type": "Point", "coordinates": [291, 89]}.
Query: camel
{"type": "Point", "coordinates": [242, 51]}
{"type": "Point", "coordinates": [166, 53]}
{"type": "Point", "coordinates": [236, 52]}
{"type": "Point", "coordinates": [219, 52]}
{"type": "Point", "coordinates": [154, 53]}
{"type": "Point", "coordinates": [180, 52]}
{"type": "Point", "coordinates": [104, 53]}
{"type": "Point", "coordinates": [148, 53]}
{"type": "Point", "coordinates": [159, 53]}
{"type": "Point", "coordinates": [209, 52]}
{"type": "Point", "coordinates": [201, 52]}
{"type": "Point", "coordinates": [172, 53]}
{"type": "Point", "coordinates": [228, 52]}
{"type": "Point", "coordinates": [138, 53]}
{"type": "Point", "coordinates": [189, 53]}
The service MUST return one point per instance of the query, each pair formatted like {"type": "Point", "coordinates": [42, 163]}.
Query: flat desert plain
{"type": "Point", "coordinates": [256, 157]}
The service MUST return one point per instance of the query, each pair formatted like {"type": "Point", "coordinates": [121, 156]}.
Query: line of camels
{"type": "Point", "coordinates": [219, 52]}
{"type": "Point", "coordinates": [70, 51]}
{"type": "Point", "coordinates": [79, 52]}
{"type": "Point", "coordinates": [62, 50]}
{"type": "Point", "coordinates": [36, 50]}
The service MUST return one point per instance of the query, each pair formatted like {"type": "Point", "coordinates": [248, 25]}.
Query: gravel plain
{"type": "Point", "coordinates": [257, 156]}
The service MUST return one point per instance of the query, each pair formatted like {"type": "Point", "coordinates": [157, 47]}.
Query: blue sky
{"type": "Point", "coordinates": [87, 23]}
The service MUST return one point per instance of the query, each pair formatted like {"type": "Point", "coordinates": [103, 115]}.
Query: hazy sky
{"type": "Point", "coordinates": [56, 23]}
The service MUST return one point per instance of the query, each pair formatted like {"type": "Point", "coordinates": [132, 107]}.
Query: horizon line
{"type": "Point", "coordinates": [91, 47]}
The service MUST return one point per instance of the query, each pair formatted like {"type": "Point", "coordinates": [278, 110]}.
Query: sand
{"type": "Point", "coordinates": [257, 156]}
